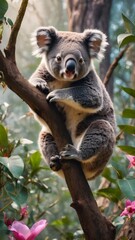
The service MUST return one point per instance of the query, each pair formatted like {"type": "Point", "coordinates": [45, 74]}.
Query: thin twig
{"type": "Point", "coordinates": [114, 65]}
{"type": "Point", "coordinates": [119, 135]}
{"type": "Point", "coordinates": [10, 49]}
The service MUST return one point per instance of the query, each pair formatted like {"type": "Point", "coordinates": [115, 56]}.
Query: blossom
{"type": "Point", "coordinates": [131, 160]}
{"type": "Point", "coordinates": [22, 232]}
{"type": "Point", "coordinates": [24, 212]}
{"type": "Point", "coordinates": [129, 209]}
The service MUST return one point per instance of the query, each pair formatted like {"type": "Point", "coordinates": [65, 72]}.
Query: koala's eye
{"type": "Point", "coordinates": [81, 60]}
{"type": "Point", "coordinates": [58, 58]}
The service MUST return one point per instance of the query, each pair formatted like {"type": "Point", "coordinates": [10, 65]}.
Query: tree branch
{"type": "Point", "coordinates": [34, 98]}
{"type": "Point", "coordinates": [114, 65]}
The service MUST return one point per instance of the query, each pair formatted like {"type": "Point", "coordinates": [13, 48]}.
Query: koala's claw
{"type": "Point", "coordinates": [55, 164]}
{"type": "Point", "coordinates": [51, 97]}
{"type": "Point", "coordinates": [42, 87]}
{"type": "Point", "coordinates": [70, 152]}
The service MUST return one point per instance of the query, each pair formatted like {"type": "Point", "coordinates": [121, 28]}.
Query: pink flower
{"type": "Point", "coordinates": [24, 212]}
{"type": "Point", "coordinates": [131, 160]}
{"type": "Point", "coordinates": [129, 209]}
{"type": "Point", "coordinates": [22, 232]}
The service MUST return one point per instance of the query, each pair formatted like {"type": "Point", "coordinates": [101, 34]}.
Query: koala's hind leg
{"type": "Point", "coordinates": [98, 139]}
{"type": "Point", "coordinates": [95, 148]}
{"type": "Point", "coordinates": [49, 150]}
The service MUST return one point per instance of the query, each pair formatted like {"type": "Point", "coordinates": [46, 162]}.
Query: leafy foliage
{"type": "Point", "coordinates": [128, 113]}
{"type": "Point", "coordinates": [129, 37]}
{"type": "Point", "coordinates": [3, 19]}
{"type": "Point", "coordinates": [127, 188]}
{"type": "Point", "coordinates": [119, 177]}
{"type": "Point", "coordinates": [14, 164]}
{"type": "Point", "coordinates": [26, 181]}
{"type": "Point", "coordinates": [3, 8]}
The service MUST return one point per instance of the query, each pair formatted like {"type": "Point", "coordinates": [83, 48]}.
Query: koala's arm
{"type": "Point", "coordinates": [40, 77]}
{"type": "Point", "coordinates": [84, 97]}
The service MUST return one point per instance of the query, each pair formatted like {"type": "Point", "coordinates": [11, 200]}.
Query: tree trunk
{"type": "Point", "coordinates": [92, 14]}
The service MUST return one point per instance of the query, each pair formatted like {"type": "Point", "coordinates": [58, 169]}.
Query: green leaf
{"type": "Point", "coordinates": [17, 193]}
{"type": "Point", "coordinates": [3, 8]}
{"type": "Point", "coordinates": [129, 25]}
{"type": "Point", "coordinates": [112, 194]}
{"type": "Point", "coordinates": [125, 38]}
{"type": "Point", "coordinates": [127, 128]}
{"type": "Point", "coordinates": [3, 137]}
{"type": "Point", "coordinates": [3, 226]}
{"type": "Point", "coordinates": [64, 221]}
{"type": "Point", "coordinates": [118, 223]}
{"type": "Point", "coordinates": [127, 187]}
{"type": "Point", "coordinates": [35, 160]}
{"type": "Point", "coordinates": [110, 174]}
{"type": "Point", "coordinates": [120, 169]}
{"type": "Point", "coordinates": [128, 149]}
{"type": "Point", "coordinates": [10, 22]}
{"type": "Point", "coordinates": [128, 113]}
{"type": "Point", "coordinates": [14, 164]}
{"type": "Point", "coordinates": [130, 91]}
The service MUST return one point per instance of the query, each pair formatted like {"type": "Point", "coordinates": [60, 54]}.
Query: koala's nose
{"type": "Point", "coordinates": [70, 65]}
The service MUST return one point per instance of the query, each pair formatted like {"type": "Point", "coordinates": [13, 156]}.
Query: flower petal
{"type": "Point", "coordinates": [124, 213]}
{"type": "Point", "coordinates": [20, 230]}
{"type": "Point", "coordinates": [18, 236]}
{"type": "Point", "coordinates": [128, 203]}
{"type": "Point", "coordinates": [131, 160]}
{"type": "Point", "coordinates": [36, 229]}
{"type": "Point", "coordinates": [130, 157]}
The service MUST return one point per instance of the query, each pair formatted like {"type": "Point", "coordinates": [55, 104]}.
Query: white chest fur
{"type": "Point", "coordinates": [72, 116]}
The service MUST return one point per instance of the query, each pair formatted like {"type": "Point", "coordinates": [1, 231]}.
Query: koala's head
{"type": "Point", "coordinates": [68, 55]}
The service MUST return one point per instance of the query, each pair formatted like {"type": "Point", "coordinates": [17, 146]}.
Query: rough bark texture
{"type": "Point", "coordinates": [92, 14]}
{"type": "Point", "coordinates": [94, 225]}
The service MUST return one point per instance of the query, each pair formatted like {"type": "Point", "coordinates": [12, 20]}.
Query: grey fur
{"type": "Point", "coordinates": [79, 94]}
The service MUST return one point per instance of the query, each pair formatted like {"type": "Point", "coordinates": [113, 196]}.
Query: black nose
{"type": "Point", "coordinates": [70, 65]}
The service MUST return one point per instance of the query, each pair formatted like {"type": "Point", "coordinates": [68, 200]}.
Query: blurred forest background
{"type": "Point", "coordinates": [48, 196]}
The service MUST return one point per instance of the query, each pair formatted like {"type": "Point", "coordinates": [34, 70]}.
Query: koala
{"type": "Point", "coordinates": [67, 77]}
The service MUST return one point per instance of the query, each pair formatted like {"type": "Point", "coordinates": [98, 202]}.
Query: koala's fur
{"type": "Point", "coordinates": [66, 74]}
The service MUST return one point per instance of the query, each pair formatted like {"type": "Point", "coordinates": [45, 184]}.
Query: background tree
{"type": "Point", "coordinates": [93, 14]}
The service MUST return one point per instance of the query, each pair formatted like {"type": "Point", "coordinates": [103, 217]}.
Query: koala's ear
{"type": "Point", "coordinates": [42, 38]}
{"type": "Point", "coordinates": [96, 41]}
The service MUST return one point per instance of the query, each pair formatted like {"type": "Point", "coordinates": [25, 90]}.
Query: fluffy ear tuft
{"type": "Point", "coordinates": [42, 39]}
{"type": "Point", "coordinates": [97, 43]}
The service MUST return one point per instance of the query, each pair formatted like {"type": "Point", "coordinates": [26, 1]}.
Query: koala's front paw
{"type": "Point", "coordinates": [54, 96]}
{"type": "Point", "coordinates": [42, 86]}
{"type": "Point", "coordinates": [70, 152]}
{"type": "Point", "coordinates": [55, 164]}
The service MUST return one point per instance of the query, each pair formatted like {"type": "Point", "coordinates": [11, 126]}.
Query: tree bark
{"type": "Point", "coordinates": [94, 225]}
{"type": "Point", "coordinates": [85, 14]}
